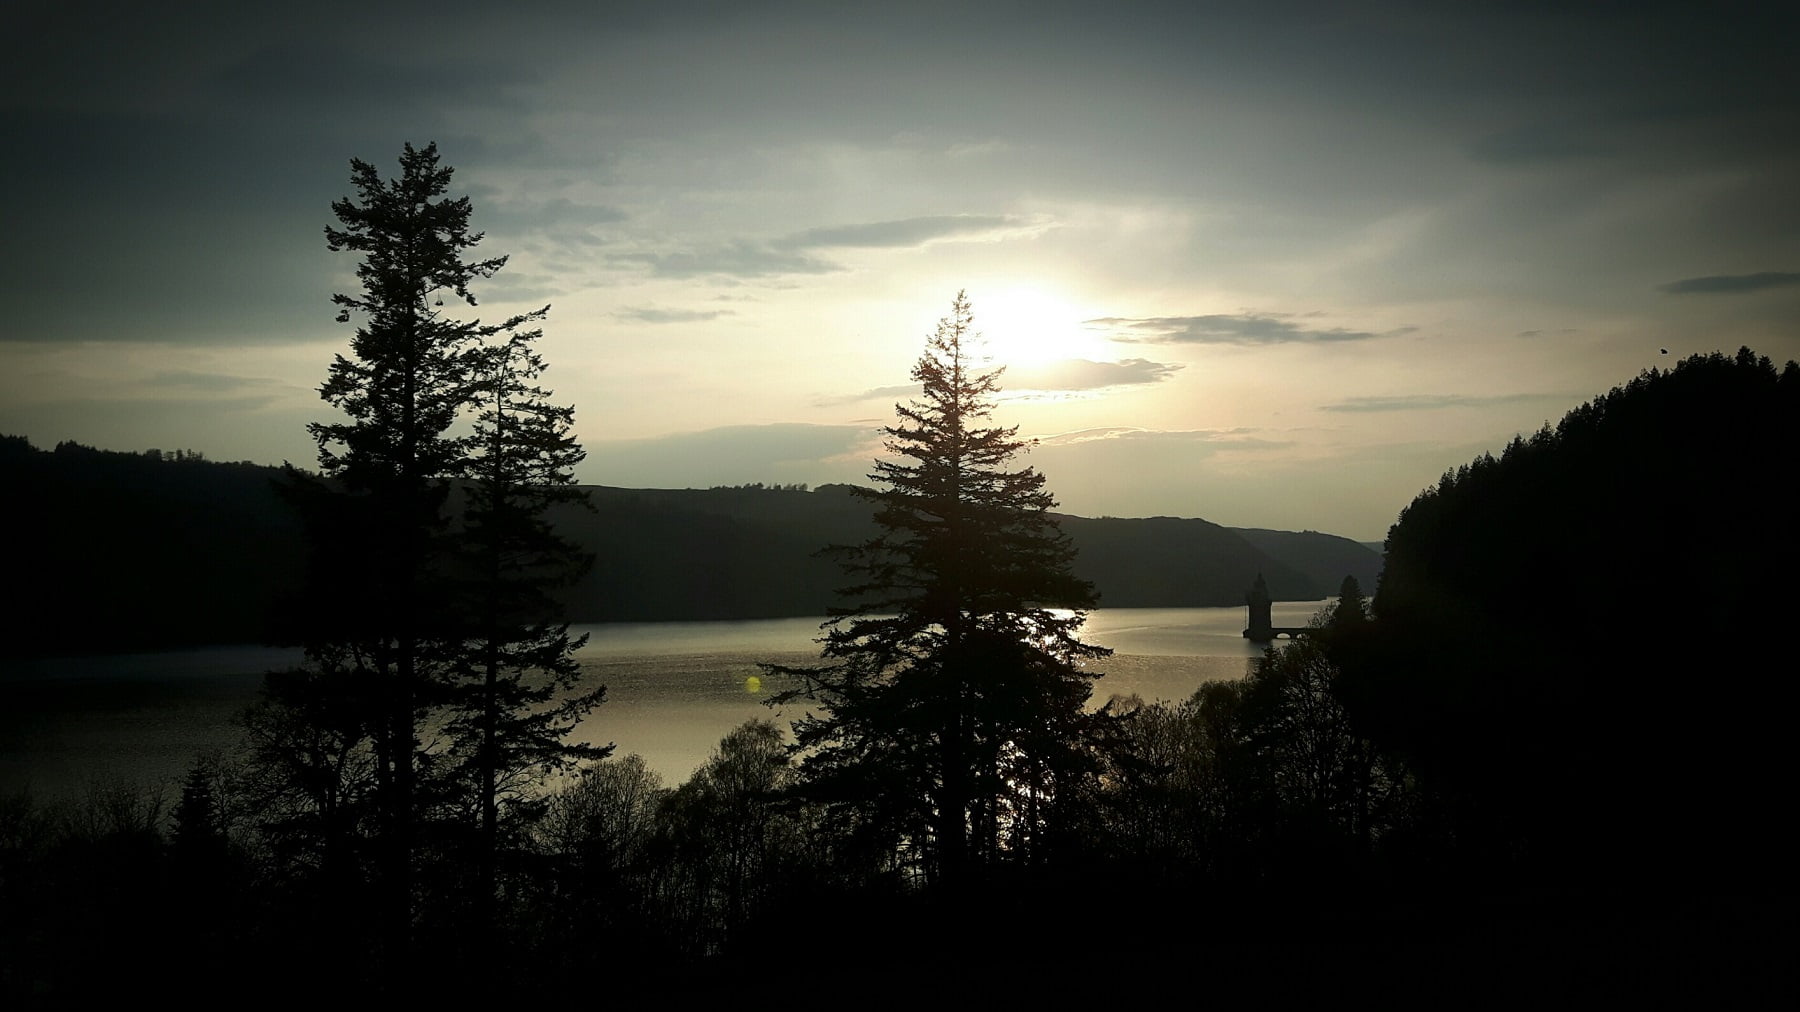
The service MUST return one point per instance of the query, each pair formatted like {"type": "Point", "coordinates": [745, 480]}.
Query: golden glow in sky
{"type": "Point", "coordinates": [1028, 326]}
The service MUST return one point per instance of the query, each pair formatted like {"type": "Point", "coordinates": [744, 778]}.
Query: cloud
{"type": "Point", "coordinates": [513, 286]}
{"type": "Point", "coordinates": [1216, 439]}
{"type": "Point", "coordinates": [1084, 374]}
{"type": "Point", "coordinates": [203, 382]}
{"type": "Point", "coordinates": [1538, 142]}
{"type": "Point", "coordinates": [871, 394]}
{"type": "Point", "coordinates": [1434, 402]}
{"type": "Point", "coordinates": [1222, 328]}
{"type": "Point", "coordinates": [908, 232]}
{"type": "Point", "coordinates": [1068, 375]}
{"type": "Point", "coordinates": [1731, 284]}
{"type": "Point", "coordinates": [648, 314]}
{"type": "Point", "coordinates": [755, 258]}
{"type": "Point", "coordinates": [739, 258]}
{"type": "Point", "coordinates": [568, 224]}
{"type": "Point", "coordinates": [557, 211]}
{"type": "Point", "coordinates": [319, 75]}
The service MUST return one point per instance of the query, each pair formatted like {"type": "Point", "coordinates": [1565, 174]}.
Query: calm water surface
{"type": "Point", "coordinates": [673, 689]}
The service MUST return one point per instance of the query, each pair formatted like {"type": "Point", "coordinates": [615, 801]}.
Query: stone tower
{"type": "Point", "coordinates": [1261, 627]}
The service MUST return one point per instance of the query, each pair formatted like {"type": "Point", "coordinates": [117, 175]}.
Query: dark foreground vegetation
{"type": "Point", "coordinates": [1524, 771]}
{"type": "Point", "coordinates": [1449, 796]}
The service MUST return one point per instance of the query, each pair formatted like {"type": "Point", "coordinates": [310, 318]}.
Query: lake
{"type": "Point", "coordinates": [673, 690]}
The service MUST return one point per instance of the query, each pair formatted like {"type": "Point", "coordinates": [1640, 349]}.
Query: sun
{"type": "Point", "coordinates": [1028, 326]}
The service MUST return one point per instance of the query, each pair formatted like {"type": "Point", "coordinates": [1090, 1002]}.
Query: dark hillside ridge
{"type": "Point", "coordinates": [1172, 562]}
{"type": "Point", "coordinates": [116, 551]}
{"type": "Point", "coordinates": [728, 553]}
{"type": "Point", "coordinates": [1319, 556]}
{"type": "Point", "coordinates": [700, 554]}
{"type": "Point", "coordinates": [1582, 639]}
{"type": "Point", "coordinates": [121, 551]}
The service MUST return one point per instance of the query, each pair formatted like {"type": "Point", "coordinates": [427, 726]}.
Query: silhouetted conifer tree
{"type": "Point", "coordinates": [444, 623]}
{"type": "Point", "coordinates": [954, 708]}
{"type": "Point", "coordinates": [1351, 608]}
{"type": "Point", "coordinates": [518, 698]}
{"type": "Point", "coordinates": [197, 826]}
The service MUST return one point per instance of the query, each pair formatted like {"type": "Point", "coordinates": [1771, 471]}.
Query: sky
{"type": "Point", "coordinates": [1273, 265]}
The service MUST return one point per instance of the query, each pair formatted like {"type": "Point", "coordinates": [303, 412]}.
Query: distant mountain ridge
{"type": "Point", "coordinates": [126, 551]}
{"type": "Point", "coordinates": [755, 553]}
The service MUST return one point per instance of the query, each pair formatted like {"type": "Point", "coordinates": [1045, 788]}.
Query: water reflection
{"type": "Point", "coordinates": [673, 690]}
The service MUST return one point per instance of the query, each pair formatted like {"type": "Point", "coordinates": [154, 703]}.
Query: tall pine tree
{"type": "Point", "coordinates": [432, 559]}
{"type": "Point", "coordinates": [519, 695]}
{"type": "Point", "coordinates": [954, 703]}
{"type": "Point", "coordinates": [379, 527]}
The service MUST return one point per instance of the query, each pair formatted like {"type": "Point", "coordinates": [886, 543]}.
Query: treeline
{"type": "Point", "coordinates": [119, 551]}
{"type": "Point", "coordinates": [759, 486]}
{"type": "Point", "coordinates": [1578, 643]}
{"type": "Point", "coordinates": [113, 551]}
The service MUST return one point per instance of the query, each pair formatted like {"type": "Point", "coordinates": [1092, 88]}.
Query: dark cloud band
{"type": "Point", "coordinates": [1235, 439]}
{"type": "Point", "coordinates": [1221, 328]}
{"type": "Point", "coordinates": [648, 314]}
{"type": "Point", "coordinates": [1731, 284]}
{"type": "Point", "coordinates": [1067, 376]}
{"type": "Point", "coordinates": [906, 232]}
{"type": "Point", "coordinates": [1084, 374]}
{"type": "Point", "coordinates": [1433, 402]}
{"type": "Point", "coordinates": [740, 258]}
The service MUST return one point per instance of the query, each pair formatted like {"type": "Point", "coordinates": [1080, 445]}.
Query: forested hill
{"type": "Point", "coordinates": [131, 550]}
{"type": "Point", "coordinates": [754, 552]}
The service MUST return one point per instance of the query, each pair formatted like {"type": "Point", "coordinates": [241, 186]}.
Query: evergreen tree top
{"type": "Point", "coordinates": [955, 395]}
{"type": "Point", "coordinates": [412, 370]}
{"type": "Point", "coordinates": [412, 242]}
